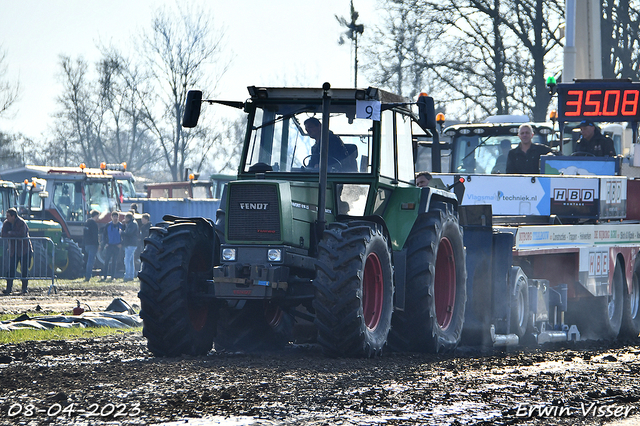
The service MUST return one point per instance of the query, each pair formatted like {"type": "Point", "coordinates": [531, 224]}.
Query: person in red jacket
{"type": "Point", "coordinates": [19, 249]}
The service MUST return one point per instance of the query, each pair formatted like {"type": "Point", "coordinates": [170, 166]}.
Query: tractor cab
{"type": "Point", "coordinates": [483, 148]}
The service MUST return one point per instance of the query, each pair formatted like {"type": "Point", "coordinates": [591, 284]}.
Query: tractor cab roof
{"type": "Point", "coordinates": [45, 172]}
{"type": "Point", "coordinates": [315, 93]}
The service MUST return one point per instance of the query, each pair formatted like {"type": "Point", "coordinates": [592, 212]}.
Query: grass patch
{"type": "Point", "coordinates": [60, 333]}
{"type": "Point", "coordinates": [80, 283]}
{"type": "Point", "coordinates": [11, 317]}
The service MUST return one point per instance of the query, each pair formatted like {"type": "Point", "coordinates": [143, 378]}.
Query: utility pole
{"type": "Point", "coordinates": [352, 32]}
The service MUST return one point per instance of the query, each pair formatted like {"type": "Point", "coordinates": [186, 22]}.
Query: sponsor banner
{"type": "Point", "coordinates": [574, 197]}
{"type": "Point", "coordinates": [547, 237]}
{"type": "Point", "coordinates": [588, 197]}
{"type": "Point", "coordinates": [593, 271]}
{"type": "Point", "coordinates": [508, 195]}
{"type": "Point", "coordinates": [613, 203]}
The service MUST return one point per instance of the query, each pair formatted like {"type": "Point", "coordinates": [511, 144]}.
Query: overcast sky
{"type": "Point", "coordinates": [277, 42]}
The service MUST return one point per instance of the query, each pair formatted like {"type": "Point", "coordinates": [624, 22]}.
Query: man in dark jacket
{"type": "Point", "coordinates": [525, 158]}
{"type": "Point", "coordinates": [130, 237]}
{"type": "Point", "coordinates": [338, 154]}
{"type": "Point", "coordinates": [19, 249]}
{"type": "Point", "coordinates": [91, 242]}
{"type": "Point", "coordinates": [112, 241]}
{"type": "Point", "coordinates": [594, 142]}
{"type": "Point", "coordinates": [145, 226]}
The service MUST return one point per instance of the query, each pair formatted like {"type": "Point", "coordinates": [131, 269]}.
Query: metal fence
{"type": "Point", "coordinates": [38, 253]}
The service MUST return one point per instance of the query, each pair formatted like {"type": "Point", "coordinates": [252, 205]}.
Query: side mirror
{"type": "Point", "coordinates": [192, 108]}
{"type": "Point", "coordinates": [426, 112]}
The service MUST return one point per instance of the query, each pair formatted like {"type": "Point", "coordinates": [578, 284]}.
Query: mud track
{"type": "Point", "coordinates": [115, 380]}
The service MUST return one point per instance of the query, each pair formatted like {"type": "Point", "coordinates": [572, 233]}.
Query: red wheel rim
{"type": "Point", "coordinates": [373, 291]}
{"type": "Point", "coordinates": [445, 283]}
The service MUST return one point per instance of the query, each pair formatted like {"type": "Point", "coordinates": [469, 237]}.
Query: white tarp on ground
{"type": "Point", "coordinates": [117, 315]}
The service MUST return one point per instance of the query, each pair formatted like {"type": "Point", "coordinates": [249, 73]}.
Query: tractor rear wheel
{"type": "Point", "coordinates": [601, 317]}
{"type": "Point", "coordinates": [257, 325]}
{"type": "Point", "coordinates": [41, 264]}
{"type": "Point", "coordinates": [520, 318]}
{"type": "Point", "coordinates": [74, 266]}
{"type": "Point", "coordinates": [177, 259]}
{"type": "Point", "coordinates": [354, 289]}
{"type": "Point", "coordinates": [436, 285]}
{"type": "Point", "coordinates": [631, 309]}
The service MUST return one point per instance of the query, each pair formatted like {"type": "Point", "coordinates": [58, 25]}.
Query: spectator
{"type": "Point", "coordinates": [525, 158]}
{"type": "Point", "coordinates": [112, 241]}
{"type": "Point", "coordinates": [422, 179]}
{"type": "Point", "coordinates": [594, 142]}
{"type": "Point", "coordinates": [91, 243]}
{"type": "Point", "coordinates": [145, 226]}
{"type": "Point", "coordinates": [501, 161]}
{"type": "Point", "coordinates": [130, 236]}
{"type": "Point", "coordinates": [19, 250]}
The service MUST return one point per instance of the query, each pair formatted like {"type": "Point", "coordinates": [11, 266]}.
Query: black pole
{"type": "Point", "coordinates": [324, 159]}
{"type": "Point", "coordinates": [436, 157]}
{"type": "Point", "coordinates": [355, 72]}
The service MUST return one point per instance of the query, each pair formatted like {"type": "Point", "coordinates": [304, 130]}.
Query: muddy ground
{"type": "Point", "coordinates": [115, 380]}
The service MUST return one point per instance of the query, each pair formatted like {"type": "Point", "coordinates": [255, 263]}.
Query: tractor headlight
{"type": "Point", "coordinates": [229, 254]}
{"type": "Point", "coordinates": [274, 255]}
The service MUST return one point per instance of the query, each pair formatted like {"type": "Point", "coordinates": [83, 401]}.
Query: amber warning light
{"type": "Point", "coordinates": [458, 181]}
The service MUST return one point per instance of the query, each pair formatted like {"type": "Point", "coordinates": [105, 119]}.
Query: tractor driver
{"type": "Point", "coordinates": [337, 150]}
{"type": "Point", "coordinates": [594, 142]}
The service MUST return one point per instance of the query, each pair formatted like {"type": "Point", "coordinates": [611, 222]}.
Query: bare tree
{"type": "Point", "coordinates": [100, 119]}
{"type": "Point", "coordinates": [10, 153]}
{"type": "Point", "coordinates": [400, 49]}
{"type": "Point", "coordinates": [535, 23]}
{"type": "Point", "coordinates": [122, 129]}
{"type": "Point", "coordinates": [9, 91]}
{"type": "Point", "coordinates": [177, 51]}
{"type": "Point", "coordinates": [483, 56]}
{"type": "Point", "coordinates": [75, 123]}
{"type": "Point", "coordinates": [620, 39]}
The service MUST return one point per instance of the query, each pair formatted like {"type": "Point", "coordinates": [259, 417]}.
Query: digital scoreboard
{"type": "Point", "coordinates": [599, 100]}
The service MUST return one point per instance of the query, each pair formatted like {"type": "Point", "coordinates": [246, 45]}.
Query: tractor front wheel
{"type": "Point", "coordinates": [176, 260]}
{"type": "Point", "coordinates": [436, 290]}
{"type": "Point", "coordinates": [354, 289]}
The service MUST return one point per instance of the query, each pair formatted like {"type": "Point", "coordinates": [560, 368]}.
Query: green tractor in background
{"type": "Point", "coordinates": [26, 197]}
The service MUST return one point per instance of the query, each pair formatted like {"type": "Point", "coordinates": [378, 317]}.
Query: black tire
{"type": "Point", "coordinates": [74, 266]}
{"type": "Point", "coordinates": [631, 310]}
{"type": "Point", "coordinates": [176, 260]}
{"type": "Point", "coordinates": [601, 317]}
{"type": "Point", "coordinates": [258, 325]}
{"type": "Point", "coordinates": [40, 265]}
{"type": "Point", "coordinates": [354, 290]}
{"type": "Point", "coordinates": [520, 318]}
{"type": "Point", "coordinates": [436, 290]}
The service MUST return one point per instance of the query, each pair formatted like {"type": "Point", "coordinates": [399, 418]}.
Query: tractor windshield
{"type": "Point", "coordinates": [483, 155]}
{"type": "Point", "coordinates": [484, 150]}
{"type": "Point", "coordinates": [282, 139]}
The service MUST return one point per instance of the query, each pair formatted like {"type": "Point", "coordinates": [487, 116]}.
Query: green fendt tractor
{"type": "Point", "coordinates": [323, 228]}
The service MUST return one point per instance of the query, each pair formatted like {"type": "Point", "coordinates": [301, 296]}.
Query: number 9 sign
{"type": "Point", "coordinates": [369, 110]}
